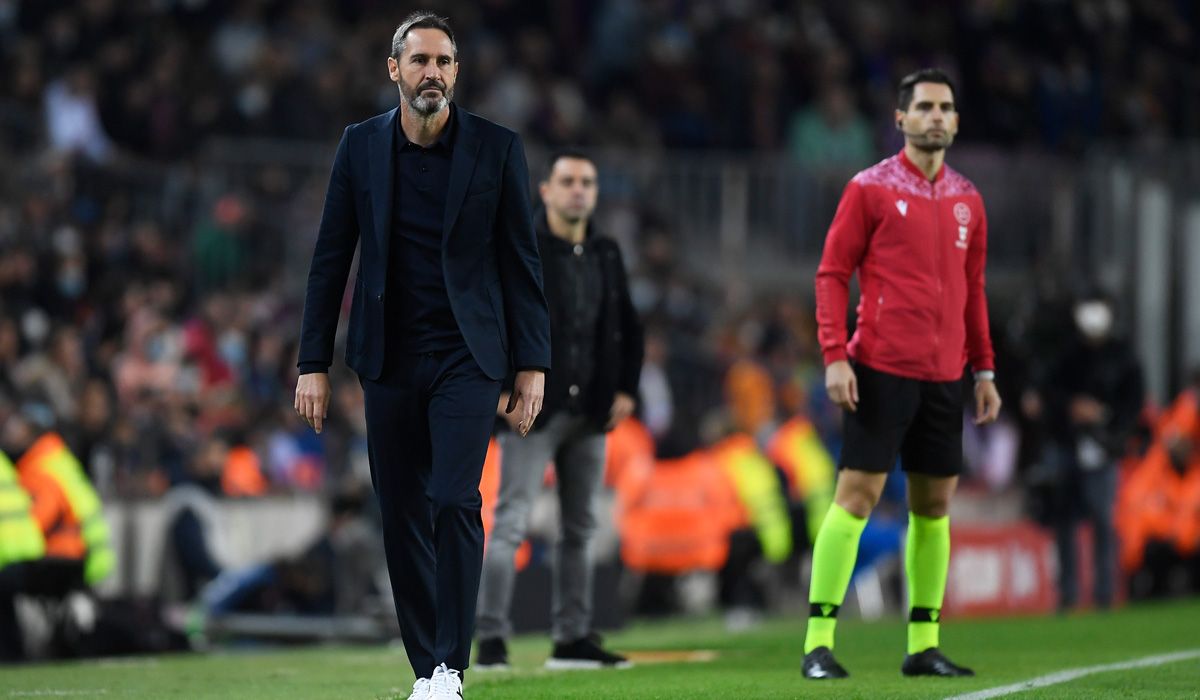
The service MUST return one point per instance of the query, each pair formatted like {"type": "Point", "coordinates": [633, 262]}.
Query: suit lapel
{"type": "Point", "coordinates": [462, 166]}
{"type": "Point", "coordinates": [382, 171]}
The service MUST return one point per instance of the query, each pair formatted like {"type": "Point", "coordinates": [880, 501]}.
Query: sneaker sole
{"type": "Point", "coordinates": [553, 664]}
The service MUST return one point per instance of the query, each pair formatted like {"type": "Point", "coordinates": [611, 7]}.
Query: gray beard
{"type": "Point", "coordinates": [425, 106]}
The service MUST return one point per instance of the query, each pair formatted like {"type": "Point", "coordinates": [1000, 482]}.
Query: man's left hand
{"type": "Point", "coordinates": [987, 402]}
{"type": "Point", "coordinates": [622, 408]}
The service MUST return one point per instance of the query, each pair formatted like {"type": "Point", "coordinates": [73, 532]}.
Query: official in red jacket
{"type": "Point", "coordinates": [916, 233]}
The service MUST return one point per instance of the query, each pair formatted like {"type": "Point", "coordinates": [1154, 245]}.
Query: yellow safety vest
{"type": "Point", "coordinates": [20, 537]}
{"type": "Point", "coordinates": [797, 448]}
{"type": "Point", "coordinates": [758, 489]}
{"type": "Point", "coordinates": [84, 503]}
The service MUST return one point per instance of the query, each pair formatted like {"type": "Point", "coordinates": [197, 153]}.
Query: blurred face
{"type": "Point", "coordinates": [1094, 319]}
{"type": "Point", "coordinates": [571, 190]}
{"type": "Point", "coordinates": [95, 410]}
{"type": "Point", "coordinates": [16, 436]}
{"type": "Point", "coordinates": [10, 342]}
{"type": "Point", "coordinates": [931, 120]}
{"type": "Point", "coordinates": [426, 71]}
{"type": "Point", "coordinates": [210, 462]}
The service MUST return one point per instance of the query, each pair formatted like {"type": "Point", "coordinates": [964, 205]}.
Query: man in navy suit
{"type": "Point", "coordinates": [448, 300]}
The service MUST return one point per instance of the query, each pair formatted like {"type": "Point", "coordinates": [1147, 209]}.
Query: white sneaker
{"type": "Point", "coordinates": [420, 690]}
{"type": "Point", "coordinates": [445, 684]}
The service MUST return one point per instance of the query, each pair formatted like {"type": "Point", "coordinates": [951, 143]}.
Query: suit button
{"type": "Point", "coordinates": [574, 390]}
{"type": "Point", "coordinates": [378, 297]}
{"type": "Point", "coordinates": [578, 250]}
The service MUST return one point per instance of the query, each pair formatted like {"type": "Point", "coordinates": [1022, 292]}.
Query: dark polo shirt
{"type": "Point", "coordinates": [420, 319]}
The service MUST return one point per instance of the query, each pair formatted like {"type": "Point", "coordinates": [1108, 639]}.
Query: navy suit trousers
{"type": "Point", "coordinates": [429, 418]}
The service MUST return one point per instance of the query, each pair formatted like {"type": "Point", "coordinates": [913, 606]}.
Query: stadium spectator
{"type": "Point", "coordinates": [65, 504]}
{"type": "Point", "coordinates": [1093, 397]}
{"type": "Point", "coordinates": [1158, 504]}
{"type": "Point", "coordinates": [832, 134]}
{"type": "Point", "coordinates": [194, 551]}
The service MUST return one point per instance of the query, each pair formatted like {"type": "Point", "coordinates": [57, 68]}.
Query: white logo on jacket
{"type": "Point", "coordinates": [962, 237]}
{"type": "Point", "coordinates": [902, 206]}
{"type": "Point", "coordinates": [962, 214]}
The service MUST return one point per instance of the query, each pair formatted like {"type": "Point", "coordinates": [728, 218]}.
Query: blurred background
{"type": "Point", "coordinates": [164, 168]}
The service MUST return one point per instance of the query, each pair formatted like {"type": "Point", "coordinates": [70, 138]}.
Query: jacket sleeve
{"type": "Point", "coordinates": [845, 245]}
{"type": "Point", "coordinates": [521, 267]}
{"type": "Point", "coordinates": [979, 338]}
{"type": "Point", "coordinates": [633, 343]}
{"type": "Point", "coordinates": [333, 254]}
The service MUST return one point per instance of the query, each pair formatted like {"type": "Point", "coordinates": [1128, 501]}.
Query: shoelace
{"type": "Point", "coordinates": [420, 688]}
{"type": "Point", "coordinates": [445, 681]}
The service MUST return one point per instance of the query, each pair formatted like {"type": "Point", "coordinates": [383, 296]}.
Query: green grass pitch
{"type": "Point", "coordinates": [761, 663]}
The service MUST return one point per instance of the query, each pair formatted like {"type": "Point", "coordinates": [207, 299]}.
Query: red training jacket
{"type": "Point", "coordinates": [919, 248]}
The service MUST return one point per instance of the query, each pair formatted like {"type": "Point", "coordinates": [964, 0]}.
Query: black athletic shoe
{"type": "Point", "coordinates": [931, 662]}
{"type": "Point", "coordinates": [584, 653]}
{"type": "Point", "coordinates": [819, 664]}
{"type": "Point", "coordinates": [492, 655]}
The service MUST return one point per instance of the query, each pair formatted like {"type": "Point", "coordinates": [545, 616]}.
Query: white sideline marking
{"type": "Point", "coordinates": [54, 693]}
{"type": "Point", "coordinates": [1073, 673]}
{"type": "Point", "coordinates": [124, 662]}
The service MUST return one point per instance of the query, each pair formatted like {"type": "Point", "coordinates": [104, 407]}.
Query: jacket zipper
{"type": "Point", "coordinates": [937, 268]}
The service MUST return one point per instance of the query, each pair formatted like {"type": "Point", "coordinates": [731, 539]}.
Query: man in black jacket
{"type": "Point", "coordinates": [447, 301]}
{"type": "Point", "coordinates": [1093, 397]}
{"type": "Point", "coordinates": [596, 358]}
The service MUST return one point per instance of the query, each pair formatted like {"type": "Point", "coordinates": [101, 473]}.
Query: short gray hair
{"type": "Point", "coordinates": [421, 19]}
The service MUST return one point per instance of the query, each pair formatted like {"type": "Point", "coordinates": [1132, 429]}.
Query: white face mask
{"type": "Point", "coordinates": [1094, 319]}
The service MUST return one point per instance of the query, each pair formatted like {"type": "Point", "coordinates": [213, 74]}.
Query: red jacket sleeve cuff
{"type": "Point", "coordinates": [835, 355]}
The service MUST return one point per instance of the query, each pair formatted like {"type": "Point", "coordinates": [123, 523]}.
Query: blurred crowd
{"type": "Point", "coordinates": [127, 282]}
{"type": "Point", "coordinates": [814, 77]}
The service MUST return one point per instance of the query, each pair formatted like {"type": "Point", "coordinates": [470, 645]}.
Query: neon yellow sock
{"type": "Point", "coordinates": [927, 563]}
{"type": "Point", "coordinates": [834, 553]}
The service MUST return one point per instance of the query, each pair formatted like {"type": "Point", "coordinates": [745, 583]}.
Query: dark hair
{"type": "Point", "coordinates": [926, 75]}
{"type": "Point", "coordinates": [572, 153]}
{"type": "Point", "coordinates": [421, 19]}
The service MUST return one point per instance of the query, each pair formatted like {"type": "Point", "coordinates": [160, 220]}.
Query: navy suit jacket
{"type": "Point", "coordinates": [490, 257]}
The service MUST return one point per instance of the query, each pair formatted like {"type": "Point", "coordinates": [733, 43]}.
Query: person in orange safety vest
{"type": "Point", "coordinates": [65, 505]}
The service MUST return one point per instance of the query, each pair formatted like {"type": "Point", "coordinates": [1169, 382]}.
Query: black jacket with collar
{"type": "Point", "coordinates": [489, 257]}
{"type": "Point", "coordinates": [619, 344]}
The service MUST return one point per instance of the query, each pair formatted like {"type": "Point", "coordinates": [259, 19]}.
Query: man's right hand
{"type": "Point", "coordinates": [842, 385]}
{"type": "Point", "coordinates": [312, 398]}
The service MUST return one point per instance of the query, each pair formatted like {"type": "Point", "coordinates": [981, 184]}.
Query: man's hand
{"type": "Point", "coordinates": [842, 385]}
{"type": "Point", "coordinates": [987, 402]}
{"type": "Point", "coordinates": [312, 398]}
{"type": "Point", "coordinates": [529, 389]}
{"type": "Point", "coordinates": [622, 408]}
{"type": "Point", "coordinates": [510, 417]}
